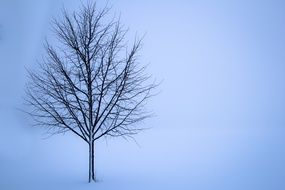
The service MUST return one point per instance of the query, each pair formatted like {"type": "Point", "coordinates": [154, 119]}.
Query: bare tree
{"type": "Point", "coordinates": [89, 83]}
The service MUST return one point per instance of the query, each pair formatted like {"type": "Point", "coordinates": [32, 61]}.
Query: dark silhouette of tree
{"type": "Point", "coordinates": [89, 82]}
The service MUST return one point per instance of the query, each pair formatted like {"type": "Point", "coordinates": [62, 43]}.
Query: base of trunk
{"type": "Point", "coordinates": [91, 163]}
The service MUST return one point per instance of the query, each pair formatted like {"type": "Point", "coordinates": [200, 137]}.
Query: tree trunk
{"type": "Point", "coordinates": [91, 162]}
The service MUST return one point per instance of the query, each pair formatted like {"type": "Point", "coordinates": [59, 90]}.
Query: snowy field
{"type": "Point", "coordinates": [188, 158]}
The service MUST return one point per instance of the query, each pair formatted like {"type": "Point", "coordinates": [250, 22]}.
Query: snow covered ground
{"type": "Point", "coordinates": [166, 158]}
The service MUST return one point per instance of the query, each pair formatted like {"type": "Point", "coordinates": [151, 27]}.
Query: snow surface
{"type": "Point", "coordinates": [193, 158]}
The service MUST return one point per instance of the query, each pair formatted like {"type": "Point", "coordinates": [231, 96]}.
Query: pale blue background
{"type": "Point", "coordinates": [220, 121]}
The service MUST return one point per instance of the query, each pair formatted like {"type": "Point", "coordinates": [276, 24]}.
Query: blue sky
{"type": "Point", "coordinates": [222, 101]}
